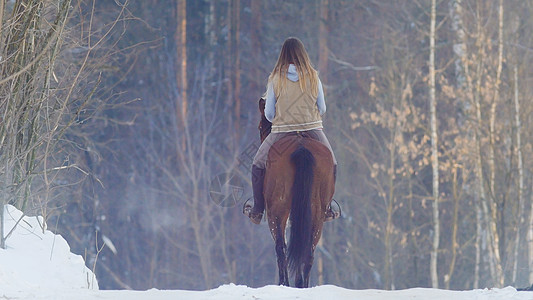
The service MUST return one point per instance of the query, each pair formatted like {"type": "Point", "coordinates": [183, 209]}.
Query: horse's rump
{"type": "Point", "coordinates": [280, 171]}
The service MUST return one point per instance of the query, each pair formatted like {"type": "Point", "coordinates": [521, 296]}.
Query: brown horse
{"type": "Point", "coordinates": [299, 184]}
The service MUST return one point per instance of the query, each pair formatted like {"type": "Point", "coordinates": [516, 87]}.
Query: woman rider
{"type": "Point", "coordinates": [294, 102]}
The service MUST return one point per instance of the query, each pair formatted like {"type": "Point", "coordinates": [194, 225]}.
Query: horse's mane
{"type": "Point", "coordinates": [265, 126]}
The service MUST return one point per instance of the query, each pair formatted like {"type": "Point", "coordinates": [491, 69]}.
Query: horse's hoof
{"type": "Point", "coordinates": [247, 210]}
{"type": "Point", "coordinates": [332, 214]}
{"type": "Point", "coordinates": [256, 218]}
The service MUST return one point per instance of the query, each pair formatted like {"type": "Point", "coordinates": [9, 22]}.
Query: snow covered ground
{"type": "Point", "coordinates": [39, 265]}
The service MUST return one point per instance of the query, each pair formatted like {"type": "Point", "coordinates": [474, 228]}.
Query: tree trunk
{"type": "Point", "coordinates": [210, 33]}
{"type": "Point", "coordinates": [461, 50]}
{"type": "Point", "coordinates": [2, 8]}
{"type": "Point", "coordinates": [491, 233]}
{"type": "Point", "coordinates": [434, 151]}
{"type": "Point", "coordinates": [322, 67]}
{"type": "Point", "coordinates": [459, 46]}
{"type": "Point", "coordinates": [455, 227]}
{"type": "Point", "coordinates": [323, 39]}
{"type": "Point", "coordinates": [229, 69]}
{"type": "Point", "coordinates": [256, 47]}
{"type": "Point", "coordinates": [2, 208]}
{"type": "Point", "coordinates": [479, 233]}
{"type": "Point", "coordinates": [389, 267]}
{"type": "Point", "coordinates": [389, 264]}
{"type": "Point", "coordinates": [482, 205]}
{"type": "Point", "coordinates": [492, 193]}
{"type": "Point", "coordinates": [237, 66]}
{"type": "Point", "coordinates": [520, 175]}
{"type": "Point", "coordinates": [181, 64]}
{"type": "Point", "coordinates": [530, 241]}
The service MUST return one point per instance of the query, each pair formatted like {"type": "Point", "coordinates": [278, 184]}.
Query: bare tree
{"type": "Point", "coordinates": [492, 198]}
{"type": "Point", "coordinates": [520, 172]}
{"type": "Point", "coordinates": [181, 57]}
{"type": "Point", "coordinates": [33, 114]}
{"type": "Point", "coordinates": [434, 151]}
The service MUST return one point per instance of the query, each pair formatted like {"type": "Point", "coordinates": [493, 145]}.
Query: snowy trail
{"type": "Point", "coordinates": [38, 264]}
{"type": "Point", "coordinates": [235, 292]}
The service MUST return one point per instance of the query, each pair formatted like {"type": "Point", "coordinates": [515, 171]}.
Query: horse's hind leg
{"type": "Point", "coordinates": [303, 273]}
{"type": "Point", "coordinates": [281, 252]}
{"type": "Point", "coordinates": [307, 271]}
{"type": "Point", "coordinates": [317, 233]}
{"type": "Point", "coordinates": [298, 279]}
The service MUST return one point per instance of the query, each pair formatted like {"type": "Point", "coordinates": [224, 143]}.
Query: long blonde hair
{"type": "Point", "coordinates": [293, 52]}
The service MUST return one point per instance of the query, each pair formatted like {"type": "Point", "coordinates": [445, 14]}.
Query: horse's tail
{"type": "Point", "coordinates": [301, 240]}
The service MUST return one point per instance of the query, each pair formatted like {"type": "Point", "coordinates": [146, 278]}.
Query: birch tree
{"type": "Point", "coordinates": [520, 196]}
{"type": "Point", "coordinates": [492, 135]}
{"type": "Point", "coordinates": [476, 62]}
{"type": "Point", "coordinates": [434, 151]}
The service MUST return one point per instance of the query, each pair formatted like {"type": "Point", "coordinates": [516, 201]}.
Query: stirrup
{"type": "Point", "coordinates": [247, 210]}
{"type": "Point", "coordinates": [332, 214]}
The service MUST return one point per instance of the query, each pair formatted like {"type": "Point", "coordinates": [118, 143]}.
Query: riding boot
{"type": "Point", "coordinates": [255, 213]}
{"type": "Point", "coordinates": [330, 213]}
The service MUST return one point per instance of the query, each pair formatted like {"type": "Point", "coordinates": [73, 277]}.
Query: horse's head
{"type": "Point", "coordinates": [264, 125]}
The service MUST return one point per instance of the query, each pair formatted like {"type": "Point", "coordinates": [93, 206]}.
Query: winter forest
{"type": "Point", "coordinates": [121, 121]}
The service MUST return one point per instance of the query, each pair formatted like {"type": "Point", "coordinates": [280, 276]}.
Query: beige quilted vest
{"type": "Point", "coordinates": [295, 110]}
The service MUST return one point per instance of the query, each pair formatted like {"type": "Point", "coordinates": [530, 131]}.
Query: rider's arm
{"type": "Point", "coordinates": [320, 101]}
{"type": "Point", "coordinates": [270, 103]}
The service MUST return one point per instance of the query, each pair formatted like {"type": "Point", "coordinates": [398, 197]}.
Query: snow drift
{"type": "Point", "coordinates": [36, 259]}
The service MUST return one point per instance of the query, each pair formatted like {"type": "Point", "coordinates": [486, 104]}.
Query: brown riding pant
{"type": "Point", "coordinates": [262, 153]}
